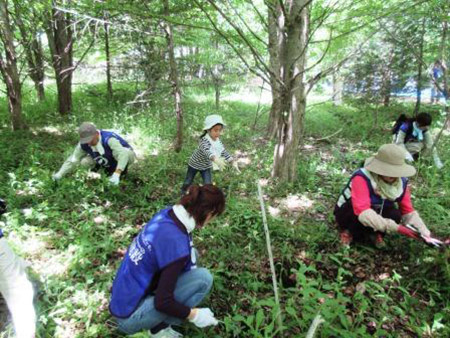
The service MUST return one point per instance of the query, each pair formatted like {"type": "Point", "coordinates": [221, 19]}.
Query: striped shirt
{"type": "Point", "coordinates": [201, 158]}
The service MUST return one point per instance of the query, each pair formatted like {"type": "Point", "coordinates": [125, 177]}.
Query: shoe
{"type": "Point", "coordinates": [379, 241]}
{"type": "Point", "coordinates": [168, 332]}
{"type": "Point", "coordinates": [346, 238]}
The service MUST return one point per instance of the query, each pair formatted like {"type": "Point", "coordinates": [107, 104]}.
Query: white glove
{"type": "Point", "coordinates": [437, 161]}
{"type": "Point", "coordinates": [220, 163]}
{"type": "Point", "coordinates": [236, 166]}
{"type": "Point", "coordinates": [56, 176]}
{"type": "Point", "coordinates": [114, 179]}
{"type": "Point", "coordinates": [204, 317]}
{"type": "Point", "coordinates": [409, 157]}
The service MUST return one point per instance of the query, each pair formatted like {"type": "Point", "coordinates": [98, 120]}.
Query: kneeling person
{"type": "Point", "coordinates": [99, 148]}
{"type": "Point", "coordinates": [367, 205]}
{"type": "Point", "coordinates": [158, 283]}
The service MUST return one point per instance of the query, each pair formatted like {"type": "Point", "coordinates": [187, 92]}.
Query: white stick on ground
{"type": "Point", "coordinates": [314, 326]}
{"type": "Point", "coordinates": [269, 250]}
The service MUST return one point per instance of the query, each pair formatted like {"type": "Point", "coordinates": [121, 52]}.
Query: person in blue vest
{"type": "Point", "coordinates": [158, 283]}
{"type": "Point", "coordinates": [15, 288]}
{"type": "Point", "coordinates": [101, 149]}
{"type": "Point", "coordinates": [413, 134]}
{"type": "Point", "coordinates": [377, 198]}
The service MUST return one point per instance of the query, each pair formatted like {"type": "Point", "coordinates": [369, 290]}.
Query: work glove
{"type": "Point", "coordinates": [370, 218]}
{"type": "Point", "coordinates": [56, 176]}
{"type": "Point", "coordinates": [416, 221]}
{"type": "Point", "coordinates": [236, 166]}
{"type": "Point", "coordinates": [409, 157]}
{"type": "Point", "coordinates": [437, 161]}
{"type": "Point", "coordinates": [219, 163]}
{"type": "Point", "coordinates": [204, 317]}
{"type": "Point", "coordinates": [114, 179]}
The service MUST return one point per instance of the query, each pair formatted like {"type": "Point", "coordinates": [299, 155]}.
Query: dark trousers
{"type": "Point", "coordinates": [190, 175]}
{"type": "Point", "coordinates": [347, 220]}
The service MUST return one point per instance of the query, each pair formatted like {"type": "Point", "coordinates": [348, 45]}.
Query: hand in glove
{"type": "Point", "coordinates": [56, 176]}
{"type": "Point", "coordinates": [220, 163]}
{"type": "Point", "coordinates": [114, 179]}
{"type": "Point", "coordinates": [204, 317]}
{"type": "Point", "coordinates": [236, 166]}
{"type": "Point", "coordinates": [437, 161]}
{"type": "Point", "coordinates": [409, 157]}
{"type": "Point", "coordinates": [370, 218]}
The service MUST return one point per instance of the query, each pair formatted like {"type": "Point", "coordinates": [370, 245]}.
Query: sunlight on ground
{"type": "Point", "coordinates": [295, 203]}
{"type": "Point", "coordinates": [144, 144]}
{"type": "Point", "coordinates": [49, 129]}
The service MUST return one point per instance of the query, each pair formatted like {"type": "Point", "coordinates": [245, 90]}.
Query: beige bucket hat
{"type": "Point", "coordinates": [390, 161]}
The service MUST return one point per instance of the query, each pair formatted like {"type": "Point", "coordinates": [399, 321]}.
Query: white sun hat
{"type": "Point", "coordinates": [212, 120]}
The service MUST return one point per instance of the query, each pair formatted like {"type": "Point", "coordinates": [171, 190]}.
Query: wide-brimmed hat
{"type": "Point", "coordinates": [87, 132]}
{"type": "Point", "coordinates": [390, 161]}
{"type": "Point", "coordinates": [212, 120]}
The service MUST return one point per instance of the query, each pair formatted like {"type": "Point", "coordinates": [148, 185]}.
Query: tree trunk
{"type": "Point", "coordinates": [108, 60]}
{"type": "Point", "coordinates": [293, 92]}
{"type": "Point", "coordinates": [444, 59]}
{"type": "Point", "coordinates": [8, 68]}
{"type": "Point", "coordinates": [173, 76]}
{"type": "Point", "coordinates": [32, 46]}
{"type": "Point", "coordinates": [419, 70]}
{"type": "Point", "coordinates": [337, 89]}
{"type": "Point", "coordinates": [59, 34]}
{"type": "Point", "coordinates": [275, 25]}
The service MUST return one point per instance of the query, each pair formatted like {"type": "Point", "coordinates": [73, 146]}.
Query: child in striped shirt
{"type": "Point", "coordinates": [210, 153]}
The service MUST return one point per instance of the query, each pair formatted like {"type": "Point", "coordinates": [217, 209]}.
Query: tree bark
{"type": "Point", "coordinates": [275, 27]}
{"type": "Point", "coordinates": [8, 68]}
{"type": "Point", "coordinates": [293, 92]}
{"type": "Point", "coordinates": [173, 77]}
{"type": "Point", "coordinates": [443, 54]}
{"type": "Point", "coordinates": [419, 70]}
{"type": "Point", "coordinates": [108, 60]}
{"type": "Point", "coordinates": [59, 34]}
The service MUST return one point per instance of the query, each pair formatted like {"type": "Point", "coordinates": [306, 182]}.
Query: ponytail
{"type": "Point", "coordinates": [201, 201]}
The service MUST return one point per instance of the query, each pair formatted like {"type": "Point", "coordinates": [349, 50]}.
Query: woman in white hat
{"type": "Point", "coordinates": [210, 154]}
{"type": "Point", "coordinates": [367, 207]}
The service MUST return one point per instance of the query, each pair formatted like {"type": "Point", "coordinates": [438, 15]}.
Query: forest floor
{"type": "Point", "coordinates": [74, 233]}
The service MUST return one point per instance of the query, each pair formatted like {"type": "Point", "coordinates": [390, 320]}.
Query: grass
{"type": "Point", "coordinates": [75, 232]}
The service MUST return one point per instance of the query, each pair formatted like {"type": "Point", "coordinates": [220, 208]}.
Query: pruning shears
{"type": "Point", "coordinates": [412, 232]}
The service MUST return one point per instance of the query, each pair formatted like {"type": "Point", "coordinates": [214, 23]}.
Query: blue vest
{"type": "Point", "coordinates": [106, 160]}
{"type": "Point", "coordinates": [376, 202]}
{"type": "Point", "coordinates": [159, 244]}
{"type": "Point", "coordinates": [407, 128]}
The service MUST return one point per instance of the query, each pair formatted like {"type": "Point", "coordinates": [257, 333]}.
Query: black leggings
{"type": "Point", "coordinates": [347, 220]}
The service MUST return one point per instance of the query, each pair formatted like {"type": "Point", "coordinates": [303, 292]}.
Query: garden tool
{"type": "Point", "coordinates": [410, 231]}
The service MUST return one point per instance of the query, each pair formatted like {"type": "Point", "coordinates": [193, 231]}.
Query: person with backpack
{"type": "Point", "coordinates": [158, 283]}
{"type": "Point", "coordinates": [100, 149]}
{"type": "Point", "coordinates": [15, 288]}
{"type": "Point", "coordinates": [413, 134]}
{"type": "Point", "coordinates": [377, 199]}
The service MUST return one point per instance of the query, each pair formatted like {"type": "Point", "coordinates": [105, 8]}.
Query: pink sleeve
{"type": "Point", "coordinates": [405, 203]}
{"type": "Point", "coordinates": [360, 195]}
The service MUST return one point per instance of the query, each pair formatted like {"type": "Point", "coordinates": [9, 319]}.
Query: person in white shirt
{"type": "Point", "coordinates": [99, 148]}
{"type": "Point", "coordinates": [16, 289]}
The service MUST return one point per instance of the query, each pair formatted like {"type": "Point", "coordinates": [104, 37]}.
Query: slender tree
{"type": "Point", "coordinates": [60, 40]}
{"type": "Point", "coordinates": [173, 76]}
{"type": "Point", "coordinates": [8, 68]}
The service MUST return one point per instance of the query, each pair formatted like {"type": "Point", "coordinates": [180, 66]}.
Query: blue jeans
{"type": "Point", "coordinates": [190, 175]}
{"type": "Point", "coordinates": [192, 286]}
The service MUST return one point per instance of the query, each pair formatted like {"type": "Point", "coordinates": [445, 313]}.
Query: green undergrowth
{"type": "Point", "coordinates": [75, 232]}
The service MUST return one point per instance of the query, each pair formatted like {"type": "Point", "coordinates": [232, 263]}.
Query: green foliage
{"type": "Point", "coordinates": [75, 232]}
